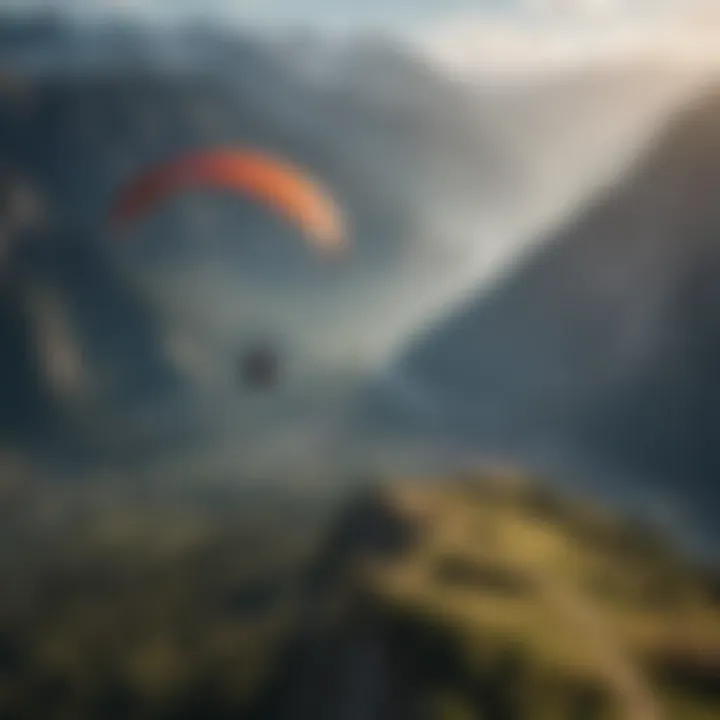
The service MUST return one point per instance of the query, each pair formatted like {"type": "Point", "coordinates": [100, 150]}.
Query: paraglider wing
{"type": "Point", "coordinates": [284, 188]}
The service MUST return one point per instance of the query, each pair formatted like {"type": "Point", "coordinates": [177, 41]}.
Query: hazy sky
{"type": "Point", "coordinates": [384, 12]}
{"type": "Point", "coordinates": [524, 34]}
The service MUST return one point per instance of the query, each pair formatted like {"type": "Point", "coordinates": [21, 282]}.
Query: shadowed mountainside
{"type": "Point", "coordinates": [601, 350]}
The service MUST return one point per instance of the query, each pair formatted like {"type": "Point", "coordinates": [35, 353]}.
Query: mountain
{"type": "Point", "coordinates": [600, 351]}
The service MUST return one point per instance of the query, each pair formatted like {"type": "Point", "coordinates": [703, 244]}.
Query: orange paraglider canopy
{"type": "Point", "coordinates": [284, 188]}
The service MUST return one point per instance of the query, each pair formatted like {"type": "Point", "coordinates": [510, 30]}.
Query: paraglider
{"type": "Point", "coordinates": [286, 190]}
{"type": "Point", "coordinates": [260, 367]}
{"type": "Point", "coordinates": [282, 187]}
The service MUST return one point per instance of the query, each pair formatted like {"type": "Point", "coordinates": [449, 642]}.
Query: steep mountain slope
{"type": "Point", "coordinates": [602, 349]}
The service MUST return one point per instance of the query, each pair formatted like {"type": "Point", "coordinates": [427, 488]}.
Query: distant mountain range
{"type": "Point", "coordinates": [600, 353]}
{"type": "Point", "coordinates": [443, 185]}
